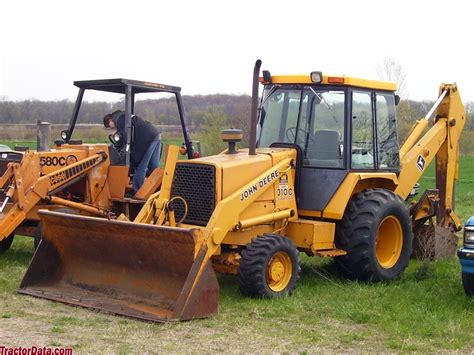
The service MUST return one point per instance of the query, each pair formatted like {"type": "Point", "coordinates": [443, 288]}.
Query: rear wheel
{"type": "Point", "coordinates": [269, 267]}
{"type": "Point", "coordinates": [6, 243]}
{"type": "Point", "coordinates": [468, 283]}
{"type": "Point", "coordinates": [376, 232]}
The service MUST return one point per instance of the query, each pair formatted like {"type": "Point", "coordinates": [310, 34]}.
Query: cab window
{"type": "Point", "coordinates": [362, 149]}
{"type": "Point", "coordinates": [322, 134]}
{"type": "Point", "coordinates": [387, 139]}
{"type": "Point", "coordinates": [279, 117]}
{"type": "Point", "coordinates": [311, 118]}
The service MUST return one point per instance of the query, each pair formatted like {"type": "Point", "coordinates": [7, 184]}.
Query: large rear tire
{"type": "Point", "coordinates": [376, 231]}
{"type": "Point", "coordinates": [269, 267]}
{"type": "Point", "coordinates": [468, 283]}
{"type": "Point", "coordinates": [6, 243]}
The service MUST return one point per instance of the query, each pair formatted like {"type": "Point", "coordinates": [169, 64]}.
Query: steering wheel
{"type": "Point", "coordinates": [291, 134]}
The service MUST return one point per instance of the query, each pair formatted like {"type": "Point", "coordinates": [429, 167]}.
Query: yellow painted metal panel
{"type": "Point", "coordinates": [348, 81]}
{"type": "Point", "coordinates": [353, 183]}
{"type": "Point", "coordinates": [314, 235]}
{"type": "Point", "coordinates": [336, 207]}
{"type": "Point", "coordinates": [308, 213]}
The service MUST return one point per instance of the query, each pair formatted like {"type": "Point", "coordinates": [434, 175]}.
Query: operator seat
{"type": "Point", "coordinates": [323, 151]}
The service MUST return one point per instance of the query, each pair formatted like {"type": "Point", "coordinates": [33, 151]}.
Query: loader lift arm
{"type": "Point", "coordinates": [224, 219]}
{"type": "Point", "coordinates": [43, 189]}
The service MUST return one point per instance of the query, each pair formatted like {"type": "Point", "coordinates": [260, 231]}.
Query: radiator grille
{"type": "Point", "coordinates": [196, 184]}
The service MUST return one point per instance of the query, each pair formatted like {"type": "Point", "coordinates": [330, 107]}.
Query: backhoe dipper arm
{"type": "Point", "coordinates": [29, 196]}
{"type": "Point", "coordinates": [440, 141]}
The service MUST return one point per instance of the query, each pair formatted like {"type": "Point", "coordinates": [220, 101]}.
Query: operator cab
{"type": "Point", "coordinates": [339, 124]}
{"type": "Point", "coordinates": [128, 89]}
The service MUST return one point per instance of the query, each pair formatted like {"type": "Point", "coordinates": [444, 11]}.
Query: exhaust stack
{"type": "Point", "coordinates": [43, 136]}
{"type": "Point", "coordinates": [253, 117]}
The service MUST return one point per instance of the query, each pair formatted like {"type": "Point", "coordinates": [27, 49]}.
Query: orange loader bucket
{"type": "Point", "coordinates": [137, 270]}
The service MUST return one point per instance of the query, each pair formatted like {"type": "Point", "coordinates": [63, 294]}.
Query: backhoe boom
{"type": "Point", "coordinates": [440, 141]}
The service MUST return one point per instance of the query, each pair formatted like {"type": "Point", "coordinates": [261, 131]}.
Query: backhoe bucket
{"type": "Point", "coordinates": [137, 270]}
{"type": "Point", "coordinates": [434, 242]}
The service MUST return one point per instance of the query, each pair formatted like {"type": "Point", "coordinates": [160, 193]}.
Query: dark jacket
{"type": "Point", "coordinates": [144, 133]}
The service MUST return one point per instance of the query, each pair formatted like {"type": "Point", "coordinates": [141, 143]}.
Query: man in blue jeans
{"type": "Point", "coordinates": [145, 146]}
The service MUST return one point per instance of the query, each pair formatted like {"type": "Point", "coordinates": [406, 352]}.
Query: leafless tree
{"type": "Point", "coordinates": [390, 69]}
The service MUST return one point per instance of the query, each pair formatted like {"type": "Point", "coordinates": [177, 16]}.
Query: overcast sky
{"type": "Point", "coordinates": [210, 46]}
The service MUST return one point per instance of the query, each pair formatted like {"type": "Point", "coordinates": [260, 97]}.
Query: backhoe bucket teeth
{"type": "Point", "coordinates": [137, 270]}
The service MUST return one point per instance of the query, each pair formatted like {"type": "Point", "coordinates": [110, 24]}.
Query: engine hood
{"type": "Point", "coordinates": [235, 170]}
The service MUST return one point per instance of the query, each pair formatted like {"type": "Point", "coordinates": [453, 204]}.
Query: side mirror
{"type": "Point", "coordinates": [397, 100]}
{"type": "Point", "coordinates": [267, 77]}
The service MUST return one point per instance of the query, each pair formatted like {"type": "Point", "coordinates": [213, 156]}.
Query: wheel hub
{"type": "Point", "coordinates": [389, 242]}
{"type": "Point", "coordinates": [279, 271]}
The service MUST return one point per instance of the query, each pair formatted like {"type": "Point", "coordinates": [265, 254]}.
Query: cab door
{"type": "Point", "coordinates": [313, 118]}
{"type": "Point", "coordinates": [322, 136]}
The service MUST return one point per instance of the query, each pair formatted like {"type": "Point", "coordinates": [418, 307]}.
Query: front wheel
{"type": "Point", "coordinates": [6, 243]}
{"type": "Point", "coordinates": [468, 283]}
{"type": "Point", "coordinates": [269, 267]}
{"type": "Point", "coordinates": [376, 231]}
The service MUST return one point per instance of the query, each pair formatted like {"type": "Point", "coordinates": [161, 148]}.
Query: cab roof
{"type": "Point", "coordinates": [120, 85]}
{"type": "Point", "coordinates": [334, 80]}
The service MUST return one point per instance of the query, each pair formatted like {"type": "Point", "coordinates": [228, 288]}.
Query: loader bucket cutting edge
{"type": "Point", "coordinates": [137, 270]}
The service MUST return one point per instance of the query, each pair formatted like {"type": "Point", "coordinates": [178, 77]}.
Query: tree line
{"type": "Point", "coordinates": [205, 114]}
{"type": "Point", "coordinates": [160, 111]}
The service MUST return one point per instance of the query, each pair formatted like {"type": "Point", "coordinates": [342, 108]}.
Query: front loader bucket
{"type": "Point", "coordinates": [137, 270]}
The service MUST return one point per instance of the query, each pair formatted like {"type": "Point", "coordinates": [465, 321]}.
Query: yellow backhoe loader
{"type": "Point", "coordinates": [87, 178]}
{"type": "Point", "coordinates": [323, 175]}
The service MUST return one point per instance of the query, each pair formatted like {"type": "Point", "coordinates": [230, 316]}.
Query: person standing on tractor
{"type": "Point", "coordinates": [145, 147]}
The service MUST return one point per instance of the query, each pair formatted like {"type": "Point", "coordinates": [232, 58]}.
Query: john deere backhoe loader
{"type": "Point", "coordinates": [90, 178]}
{"type": "Point", "coordinates": [327, 178]}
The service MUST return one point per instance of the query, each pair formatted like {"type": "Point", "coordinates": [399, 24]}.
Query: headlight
{"type": "Point", "coordinates": [316, 77]}
{"type": "Point", "coordinates": [116, 137]}
{"type": "Point", "coordinates": [469, 236]}
{"type": "Point", "coordinates": [63, 135]}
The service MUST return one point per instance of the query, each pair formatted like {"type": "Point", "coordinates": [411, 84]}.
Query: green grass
{"type": "Point", "coordinates": [32, 144]}
{"type": "Point", "coordinates": [425, 311]}
{"type": "Point", "coordinates": [421, 312]}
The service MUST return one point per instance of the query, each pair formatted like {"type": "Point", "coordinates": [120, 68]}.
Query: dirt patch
{"type": "Point", "coordinates": [44, 323]}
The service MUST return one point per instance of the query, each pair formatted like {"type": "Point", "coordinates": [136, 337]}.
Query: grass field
{"type": "Point", "coordinates": [425, 311]}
